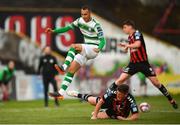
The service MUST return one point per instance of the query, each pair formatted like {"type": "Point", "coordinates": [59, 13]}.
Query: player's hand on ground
{"type": "Point", "coordinates": [48, 30]}
{"type": "Point", "coordinates": [93, 117]}
{"type": "Point", "coordinates": [120, 118]}
{"type": "Point", "coordinates": [96, 50]}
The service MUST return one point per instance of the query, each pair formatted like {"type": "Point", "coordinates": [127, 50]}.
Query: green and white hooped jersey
{"type": "Point", "coordinates": [91, 30]}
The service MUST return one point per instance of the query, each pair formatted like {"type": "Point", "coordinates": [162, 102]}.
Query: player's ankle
{"type": "Point", "coordinates": [172, 101]}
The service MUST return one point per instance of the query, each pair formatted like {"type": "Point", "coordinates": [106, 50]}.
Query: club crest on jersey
{"type": "Point", "coordinates": [90, 29]}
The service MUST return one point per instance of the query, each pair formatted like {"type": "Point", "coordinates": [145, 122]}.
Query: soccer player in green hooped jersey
{"type": "Point", "coordinates": [78, 54]}
{"type": "Point", "coordinates": [6, 76]}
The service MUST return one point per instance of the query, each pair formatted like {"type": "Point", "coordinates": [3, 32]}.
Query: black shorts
{"type": "Point", "coordinates": [143, 67]}
{"type": "Point", "coordinates": [111, 113]}
{"type": "Point", "coordinates": [105, 105]}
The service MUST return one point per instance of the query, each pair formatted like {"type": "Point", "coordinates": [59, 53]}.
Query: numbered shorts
{"type": "Point", "coordinates": [143, 67]}
{"type": "Point", "coordinates": [86, 54]}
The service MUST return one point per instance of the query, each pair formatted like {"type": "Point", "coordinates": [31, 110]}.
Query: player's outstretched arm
{"type": "Point", "coordinates": [101, 37]}
{"type": "Point", "coordinates": [59, 30]}
{"type": "Point", "coordinates": [133, 117]}
{"type": "Point", "coordinates": [102, 43]}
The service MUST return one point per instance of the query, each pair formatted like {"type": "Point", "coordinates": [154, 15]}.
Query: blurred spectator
{"type": "Point", "coordinates": [6, 76]}
{"type": "Point", "coordinates": [46, 68]}
{"type": "Point", "coordinates": [165, 68]}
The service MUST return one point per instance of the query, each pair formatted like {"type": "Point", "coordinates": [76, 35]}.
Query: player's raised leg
{"type": "Point", "coordinates": [94, 43]}
{"type": "Point", "coordinates": [75, 48]}
{"type": "Point", "coordinates": [163, 90]}
{"type": "Point", "coordinates": [75, 66]}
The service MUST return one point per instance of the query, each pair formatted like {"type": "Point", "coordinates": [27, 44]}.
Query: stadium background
{"type": "Point", "coordinates": [22, 38]}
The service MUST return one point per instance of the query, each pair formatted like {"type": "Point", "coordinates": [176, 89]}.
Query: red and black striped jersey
{"type": "Point", "coordinates": [137, 54]}
{"type": "Point", "coordinates": [121, 107]}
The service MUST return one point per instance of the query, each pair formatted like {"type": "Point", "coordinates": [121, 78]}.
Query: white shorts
{"type": "Point", "coordinates": [86, 54]}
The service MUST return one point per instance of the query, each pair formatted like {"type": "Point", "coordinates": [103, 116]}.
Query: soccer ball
{"type": "Point", "coordinates": [144, 107]}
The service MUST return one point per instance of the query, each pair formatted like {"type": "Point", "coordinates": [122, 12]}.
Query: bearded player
{"type": "Point", "coordinates": [138, 61]}
{"type": "Point", "coordinates": [79, 54]}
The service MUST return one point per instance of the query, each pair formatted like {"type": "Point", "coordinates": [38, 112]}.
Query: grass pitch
{"type": "Point", "coordinates": [75, 112]}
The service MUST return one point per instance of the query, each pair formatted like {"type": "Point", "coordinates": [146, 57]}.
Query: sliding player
{"type": "Point", "coordinates": [116, 105]}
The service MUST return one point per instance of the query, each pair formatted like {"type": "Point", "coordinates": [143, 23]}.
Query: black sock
{"type": "Point", "coordinates": [165, 92]}
{"type": "Point", "coordinates": [84, 96]}
{"type": "Point", "coordinates": [80, 96]}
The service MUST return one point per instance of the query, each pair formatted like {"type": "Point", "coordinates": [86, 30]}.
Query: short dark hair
{"type": "Point", "coordinates": [85, 7]}
{"type": "Point", "coordinates": [124, 88]}
{"type": "Point", "coordinates": [129, 23]}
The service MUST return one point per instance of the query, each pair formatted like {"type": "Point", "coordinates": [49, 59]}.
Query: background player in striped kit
{"type": "Point", "coordinates": [138, 61]}
{"type": "Point", "coordinates": [78, 54]}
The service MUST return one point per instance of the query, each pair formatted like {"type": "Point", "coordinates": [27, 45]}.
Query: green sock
{"type": "Point", "coordinates": [69, 58]}
{"type": "Point", "coordinates": [66, 82]}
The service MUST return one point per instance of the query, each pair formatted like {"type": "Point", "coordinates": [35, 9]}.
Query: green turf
{"type": "Point", "coordinates": [72, 111]}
